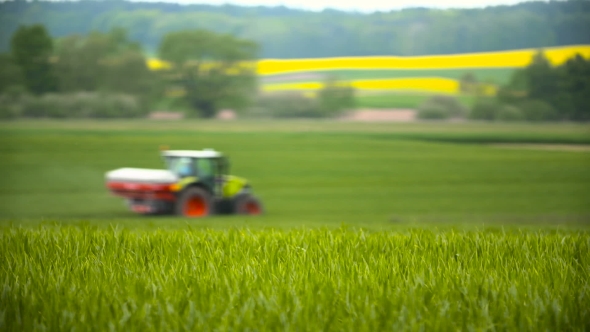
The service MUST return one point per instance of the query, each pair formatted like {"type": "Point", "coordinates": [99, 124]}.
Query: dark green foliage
{"type": "Point", "coordinates": [559, 93]}
{"type": "Point", "coordinates": [98, 75]}
{"type": "Point", "coordinates": [442, 107]}
{"type": "Point", "coordinates": [286, 105]}
{"type": "Point", "coordinates": [485, 109]}
{"type": "Point", "coordinates": [10, 73]}
{"type": "Point", "coordinates": [432, 112]}
{"type": "Point", "coordinates": [328, 33]}
{"type": "Point", "coordinates": [542, 80]}
{"type": "Point", "coordinates": [509, 113]}
{"type": "Point", "coordinates": [205, 65]}
{"type": "Point", "coordinates": [70, 105]}
{"type": "Point", "coordinates": [105, 62]}
{"type": "Point", "coordinates": [576, 73]}
{"type": "Point", "coordinates": [31, 48]}
{"type": "Point", "coordinates": [468, 83]}
{"type": "Point", "coordinates": [538, 111]}
{"type": "Point", "coordinates": [335, 97]}
{"type": "Point", "coordinates": [9, 107]}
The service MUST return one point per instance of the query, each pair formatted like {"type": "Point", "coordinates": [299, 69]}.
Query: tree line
{"type": "Point", "coordinates": [542, 92]}
{"type": "Point", "coordinates": [288, 33]}
{"type": "Point", "coordinates": [104, 75]}
{"type": "Point", "coordinates": [99, 75]}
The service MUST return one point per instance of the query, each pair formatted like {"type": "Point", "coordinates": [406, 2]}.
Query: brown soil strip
{"type": "Point", "coordinates": [392, 115]}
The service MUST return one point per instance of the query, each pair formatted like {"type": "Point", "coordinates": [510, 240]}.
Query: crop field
{"type": "Point", "coordinates": [431, 74]}
{"type": "Point", "coordinates": [430, 226]}
{"type": "Point", "coordinates": [495, 75]}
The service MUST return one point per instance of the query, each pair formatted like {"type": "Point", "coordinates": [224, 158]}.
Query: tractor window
{"type": "Point", "coordinates": [181, 165]}
{"type": "Point", "coordinates": [205, 168]}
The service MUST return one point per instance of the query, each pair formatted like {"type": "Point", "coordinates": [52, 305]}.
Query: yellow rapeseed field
{"type": "Point", "coordinates": [434, 84]}
{"type": "Point", "coordinates": [517, 58]}
{"type": "Point", "coordinates": [504, 59]}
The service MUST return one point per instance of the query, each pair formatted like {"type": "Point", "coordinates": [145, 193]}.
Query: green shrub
{"type": "Point", "coordinates": [485, 109]}
{"type": "Point", "coordinates": [432, 112]}
{"type": "Point", "coordinates": [442, 107]}
{"type": "Point", "coordinates": [538, 111]}
{"type": "Point", "coordinates": [32, 106]}
{"type": "Point", "coordinates": [288, 106]}
{"type": "Point", "coordinates": [8, 108]}
{"type": "Point", "coordinates": [508, 113]}
{"type": "Point", "coordinates": [335, 97]}
{"type": "Point", "coordinates": [76, 105]}
{"type": "Point", "coordinates": [53, 106]}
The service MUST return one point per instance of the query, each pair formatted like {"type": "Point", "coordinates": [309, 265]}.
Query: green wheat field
{"type": "Point", "coordinates": [369, 227]}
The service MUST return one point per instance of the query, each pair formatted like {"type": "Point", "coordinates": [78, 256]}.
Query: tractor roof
{"type": "Point", "coordinates": [207, 153]}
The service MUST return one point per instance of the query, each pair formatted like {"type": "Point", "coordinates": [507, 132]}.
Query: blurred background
{"type": "Point", "coordinates": [118, 59]}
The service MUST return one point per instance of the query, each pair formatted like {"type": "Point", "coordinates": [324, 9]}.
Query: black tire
{"type": "Point", "coordinates": [248, 204]}
{"type": "Point", "coordinates": [194, 202]}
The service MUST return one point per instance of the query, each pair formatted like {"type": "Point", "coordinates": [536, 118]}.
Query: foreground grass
{"type": "Point", "coordinates": [71, 278]}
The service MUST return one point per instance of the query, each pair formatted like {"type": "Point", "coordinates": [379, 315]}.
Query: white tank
{"type": "Point", "coordinates": [141, 175]}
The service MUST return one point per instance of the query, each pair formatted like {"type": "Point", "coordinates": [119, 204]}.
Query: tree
{"type": "Point", "coordinates": [10, 73]}
{"type": "Point", "coordinates": [541, 78]}
{"type": "Point", "coordinates": [545, 93]}
{"type": "Point", "coordinates": [212, 68]}
{"type": "Point", "coordinates": [468, 83]}
{"type": "Point", "coordinates": [31, 48]}
{"type": "Point", "coordinates": [103, 62]}
{"type": "Point", "coordinates": [576, 81]}
{"type": "Point", "coordinates": [335, 97]}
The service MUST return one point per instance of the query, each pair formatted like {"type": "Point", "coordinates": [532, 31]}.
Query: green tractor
{"type": "Point", "coordinates": [196, 184]}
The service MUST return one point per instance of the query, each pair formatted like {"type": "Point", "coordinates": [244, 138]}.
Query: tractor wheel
{"type": "Point", "coordinates": [194, 203]}
{"type": "Point", "coordinates": [248, 204]}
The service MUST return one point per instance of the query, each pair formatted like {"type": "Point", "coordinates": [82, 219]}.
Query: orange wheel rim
{"type": "Point", "coordinates": [195, 207]}
{"type": "Point", "coordinates": [252, 208]}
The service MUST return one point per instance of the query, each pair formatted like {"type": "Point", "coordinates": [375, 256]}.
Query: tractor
{"type": "Point", "coordinates": [196, 184]}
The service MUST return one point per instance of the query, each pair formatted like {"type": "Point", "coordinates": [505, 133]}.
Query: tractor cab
{"type": "Point", "coordinates": [208, 167]}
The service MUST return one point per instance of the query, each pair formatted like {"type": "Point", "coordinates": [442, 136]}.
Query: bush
{"type": "Point", "coordinates": [538, 111]}
{"type": "Point", "coordinates": [9, 109]}
{"type": "Point", "coordinates": [485, 109]}
{"type": "Point", "coordinates": [432, 112]}
{"type": "Point", "coordinates": [335, 98]}
{"type": "Point", "coordinates": [52, 105]}
{"type": "Point", "coordinates": [32, 107]}
{"type": "Point", "coordinates": [442, 107]}
{"type": "Point", "coordinates": [509, 113]}
{"type": "Point", "coordinates": [78, 105]}
{"type": "Point", "coordinates": [288, 106]}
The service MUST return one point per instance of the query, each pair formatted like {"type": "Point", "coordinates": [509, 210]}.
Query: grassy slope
{"type": "Point", "coordinates": [307, 173]}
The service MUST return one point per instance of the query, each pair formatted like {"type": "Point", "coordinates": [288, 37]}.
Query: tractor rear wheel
{"type": "Point", "coordinates": [248, 204]}
{"type": "Point", "coordinates": [194, 203]}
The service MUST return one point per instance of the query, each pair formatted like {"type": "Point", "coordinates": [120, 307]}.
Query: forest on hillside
{"type": "Point", "coordinates": [288, 33]}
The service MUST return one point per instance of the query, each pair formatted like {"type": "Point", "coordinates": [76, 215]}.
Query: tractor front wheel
{"type": "Point", "coordinates": [194, 203]}
{"type": "Point", "coordinates": [248, 204]}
